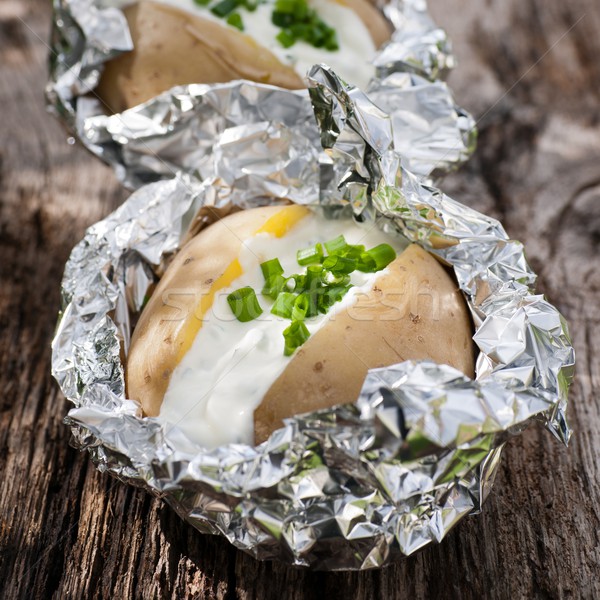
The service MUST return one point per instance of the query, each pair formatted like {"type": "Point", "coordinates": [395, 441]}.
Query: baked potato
{"type": "Point", "coordinates": [173, 46]}
{"type": "Point", "coordinates": [411, 309]}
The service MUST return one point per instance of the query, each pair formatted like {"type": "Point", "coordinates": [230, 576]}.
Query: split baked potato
{"type": "Point", "coordinates": [412, 310]}
{"type": "Point", "coordinates": [173, 47]}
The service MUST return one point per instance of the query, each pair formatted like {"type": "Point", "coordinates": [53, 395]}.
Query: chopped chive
{"type": "Point", "coordinates": [324, 303]}
{"type": "Point", "coordinates": [352, 251]}
{"type": "Point", "coordinates": [310, 300]}
{"type": "Point", "coordinates": [302, 296]}
{"type": "Point", "coordinates": [336, 245]}
{"type": "Point", "coordinates": [300, 10]}
{"type": "Point", "coordinates": [235, 20]}
{"type": "Point", "coordinates": [202, 2]}
{"type": "Point", "coordinates": [298, 21]}
{"type": "Point", "coordinates": [313, 303]}
{"type": "Point", "coordinates": [284, 305]}
{"type": "Point", "coordinates": [285, 38]}
{"type": "Point", "coordinates": [274, 286]}
{"type": "Point", "coordinates": [223, 8]}
{"type": "Point", "coordinates": [317, 38]}
{"type": "Point", "coordinates": [312, 279]}
{"type": "Point", "coordinates": [311, 255]}
{"type": "Point", "coordinates": [244, 304]}
{"type": "Point", "coordinates": [295, 283]}
{"type": "Point", "coordinates": [301, 307]}
{"type": "Point", "coordinates": [299, 31]}
{"type": "Point", "coordinates": [383, 255]}
{"type": "Point", "coordinates": [282, 19]}
{"type": "Point", "coordinates": [330, 296]}
{"type": "Point", "coordinates": [339, 264]}
{"type": "Point", "coordinates": [295, 335]}
{"type": "Point", "coordinates": [332, 44]}
{"type": "Point", "coordinates": [286, 6]}
{"type": "Point", "coordinates": [366, 263]}
{"type": "Point", "coordinates": [328, 278]}
{"type": "Point", "coordinates": [271, 268]}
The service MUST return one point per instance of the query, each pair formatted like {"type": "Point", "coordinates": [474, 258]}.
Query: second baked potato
{"type": "Point", "coordinates": [174, 46]}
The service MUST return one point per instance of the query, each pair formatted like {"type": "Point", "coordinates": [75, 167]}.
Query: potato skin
{"type": "Point", "coordinates": [158, 336]}
{"type": "Point", "coordinates": [173, 47]}
{"type": "Point", "coordinates": [371, 16]}
{"type": "Point", "coordinates": [414, 311]}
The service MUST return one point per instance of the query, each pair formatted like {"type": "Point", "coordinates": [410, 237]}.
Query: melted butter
{"type": "Point", "coordinates": [350, 62]}
{"type": "Point", "coordinates": [232, 272]}
{"type": "Point", "coordinates": [277, 225]}
{"type": "Point", "coordinates": [230, 366]}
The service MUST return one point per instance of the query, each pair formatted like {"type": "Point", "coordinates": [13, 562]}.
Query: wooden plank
{"type": "Point", "coordinates": [529, 71]}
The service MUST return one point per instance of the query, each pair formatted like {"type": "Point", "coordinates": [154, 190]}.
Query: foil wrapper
{"type": "Point", "coordinates": [350, 487]}
{"type": "Point", "coordinates": [193, 128]}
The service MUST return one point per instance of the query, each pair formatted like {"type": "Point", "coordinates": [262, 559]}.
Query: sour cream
{"type": "Point", "coordinates": [350, 62]}
{"type": "Point", "coordinates": [230, 366]}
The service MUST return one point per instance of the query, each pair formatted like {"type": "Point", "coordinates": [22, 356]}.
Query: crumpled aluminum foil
{"type": "Point", "coordinates": [191, 128]}
{"type": "Point", "coordinates": [350, 487]}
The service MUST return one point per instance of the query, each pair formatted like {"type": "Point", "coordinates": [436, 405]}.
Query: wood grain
{"type": "Point", "coordinates": [529, 71]}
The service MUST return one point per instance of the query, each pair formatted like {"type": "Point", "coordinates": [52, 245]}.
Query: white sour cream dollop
{"type": "Point", "coordinates": [230, 366]}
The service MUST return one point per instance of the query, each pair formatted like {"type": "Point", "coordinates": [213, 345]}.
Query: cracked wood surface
{"type": "Point", "coordinates": [529, 71]}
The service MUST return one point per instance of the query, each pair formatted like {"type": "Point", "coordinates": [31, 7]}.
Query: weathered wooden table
{"type": "Point", "coordinates": [530, 71]}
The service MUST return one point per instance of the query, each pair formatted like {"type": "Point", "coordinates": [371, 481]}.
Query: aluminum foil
{"type": "Point", "coordinates": [354, 486]}
{"type": "Point", "coordinates": [192, 128]}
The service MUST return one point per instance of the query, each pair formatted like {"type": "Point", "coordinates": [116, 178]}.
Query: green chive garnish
{"type": "Point", "coordinates": [294, 283]}
{"type": "Point", "coordinates": [285, 38]}
{"type": "Point", "coordinates": [284, 305]}
{"type": "Point", "coordinates": [282, 19]}
{"type": "Point", "coordinates": [271, 268]}
{"type": "Point", "coordinates": [366, 263]}
{"type": "Point", "coordinates": [274, 286]}
{"type": "Point", "coordinates": [300, 10]}
{"type": "Point", "coordinates": [310, 256]}
{"type": "Point", "coordinates": [223, 8]}
{"type": "Point", "coordinates": [274, 281]}
{"type": "Point", "coordinates": [330, 296]}
{"type": "Point", "coordinates": [352, 251]}
{"type": "Point", "coordinates": [285, 6]}
{"type": "Point", "coordinates": [339, 264]}
{"type": "Point", "coordinates": [295, 335]}
{"type": "Point", "coordinates": [328, 278]}
{"type": "Point", "coordinates": [301, 307]}
{"type": "Point", "coordinates": [336, 245]}
{"type": "Point", "coordinates": [325, 282]}
{"type": "Point", "coordinates": [312, 279]}
{"type": "Point", "coordinates": [235, 20]}
{"type": "Point", "coordinates": [383, 255]}
{"type": "Point", "coordinates": [298, 21]}
{"type": "Point", "coordinates": [332, 43]}
{"type": "Point", "coordinates": [299, 31]}
{"type": "Point", "coordinates": [244, 304]}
